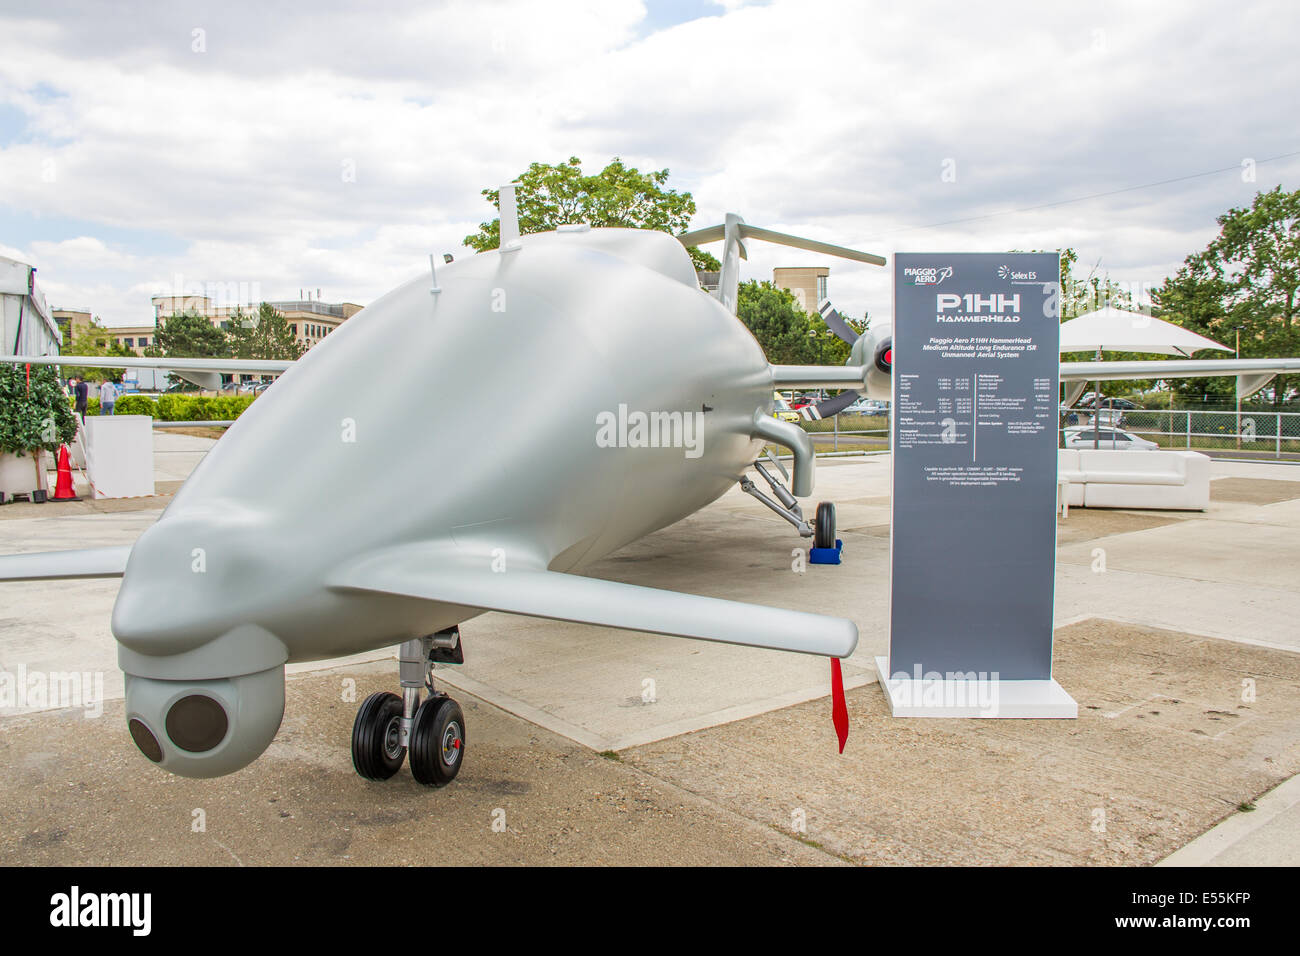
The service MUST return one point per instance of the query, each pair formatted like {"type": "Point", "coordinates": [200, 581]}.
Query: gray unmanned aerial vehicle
{"type": "Point", "coordinates": [655, 400]}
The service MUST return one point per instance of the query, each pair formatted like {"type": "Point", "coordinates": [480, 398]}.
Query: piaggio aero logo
{"type": "Point", "coordinates": [927, 275]}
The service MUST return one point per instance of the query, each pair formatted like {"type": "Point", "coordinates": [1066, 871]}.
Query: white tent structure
{"type": "Point", "coordinates": [1109, 329]}
{"type": "Point", "coordinates": [1118, 330]}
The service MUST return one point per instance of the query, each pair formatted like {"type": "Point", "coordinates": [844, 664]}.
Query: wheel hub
{"type": "Point", "coordinates": [393, 739]}
{"type": "Point", "coordinates": [451, 743]}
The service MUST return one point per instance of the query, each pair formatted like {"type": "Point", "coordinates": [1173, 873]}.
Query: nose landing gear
{"type": "Point", "coordinates": [389, 728]}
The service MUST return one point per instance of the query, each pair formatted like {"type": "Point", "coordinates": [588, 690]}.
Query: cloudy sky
{"type": "Point", "coordinates": [248, 147]}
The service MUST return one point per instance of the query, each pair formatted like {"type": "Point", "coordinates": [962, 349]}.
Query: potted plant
{"type": "Point", "coordinates": [34, 418]}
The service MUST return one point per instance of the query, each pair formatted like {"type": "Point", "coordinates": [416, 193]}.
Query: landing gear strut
{"type": "Point", "coordinates": [389, 728]}
{"type": "Point", "coordinates": [786, 505]}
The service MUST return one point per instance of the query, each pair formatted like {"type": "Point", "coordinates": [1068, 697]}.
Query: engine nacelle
{"type": "Point", "coordinates": [205, 728]}
{"type": "Point", "coordinates": [875, 350]}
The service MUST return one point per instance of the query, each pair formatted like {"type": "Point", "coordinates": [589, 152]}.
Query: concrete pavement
{"type": "Point", "coordinates": [1166, 574]}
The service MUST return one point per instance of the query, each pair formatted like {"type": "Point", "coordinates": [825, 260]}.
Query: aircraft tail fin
{"type": "Point", "coordinates": [735, 230]}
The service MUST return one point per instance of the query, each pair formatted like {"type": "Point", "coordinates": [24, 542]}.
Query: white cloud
{"type": "Point", "coordinates": [822, 118]}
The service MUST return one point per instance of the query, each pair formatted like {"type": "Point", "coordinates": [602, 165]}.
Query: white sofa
{"type": "Point", "coordinates": [1106, 478]}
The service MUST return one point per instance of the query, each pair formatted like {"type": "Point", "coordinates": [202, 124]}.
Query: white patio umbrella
{"type": "Point", "coordinates": [1119, 330]}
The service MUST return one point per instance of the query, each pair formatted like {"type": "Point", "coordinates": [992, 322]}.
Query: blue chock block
{"type": "Point", "coordinates": [826, 555]}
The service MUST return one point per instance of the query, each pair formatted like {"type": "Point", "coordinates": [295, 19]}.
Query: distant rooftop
{"type": "Point", "coordinates": [309, 305]}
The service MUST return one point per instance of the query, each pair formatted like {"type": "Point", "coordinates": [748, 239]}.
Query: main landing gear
{"type": "Point", "coordinates": [389, 728]}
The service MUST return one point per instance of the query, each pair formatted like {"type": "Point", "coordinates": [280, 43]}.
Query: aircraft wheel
{"type": "Point", "coordinates": [377, 751]}
{"type": "Point", "coordinates": [437, 742]}
{"type": "Point", "coordinates": [824, 529]}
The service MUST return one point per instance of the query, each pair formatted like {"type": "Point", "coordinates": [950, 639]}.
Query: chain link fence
{"type": "Point", "coordinates": [847, 434]}
{"type": "Point", "coordinates": [1255, 433]}
{"type": "Point", "coordinates": [1251, 434]}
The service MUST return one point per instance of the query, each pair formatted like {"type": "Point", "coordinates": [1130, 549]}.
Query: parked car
{"type": "Point", "coordinates": [868, 406]}
{"type": "Point", "coordinates": [1085, 436]}
{"type": "Point", "coordinates": [782, 410]}
{"type": "Point", "coordinates": [1080, 415]}
{"type": "Point", "coordinates": [1106, 402]}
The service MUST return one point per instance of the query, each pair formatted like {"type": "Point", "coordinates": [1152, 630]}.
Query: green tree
{"type": "Point", "coordinates": [34, 411]}
{"type": "Point", "coordinates": [264, 336]}
{"type": "Point", "coordinates": [1194, 298]}
{"type": "Point", "coordinates": [776, 321]}
{"type": "Point", "coordinates": [787, 334]}
{"type": "Point", "coordinates": [189, 335]}
{"type": "Point", "coordinates": [95, 340]}
{"type": "Point", "coordinates": [1248, 277]}
{"type": "Point", "coordinates": [555, 195]}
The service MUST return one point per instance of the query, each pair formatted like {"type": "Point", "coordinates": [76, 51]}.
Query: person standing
{"type": "Point", "coordinates": [107, 396]}
{"type": "Point", "coordinates": [82, 393]}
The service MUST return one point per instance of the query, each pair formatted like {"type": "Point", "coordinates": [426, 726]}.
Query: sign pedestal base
{"type": "Point", "coordinates": [940, 697]}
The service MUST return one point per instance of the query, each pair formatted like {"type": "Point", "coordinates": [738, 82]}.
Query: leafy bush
{"type": "Point", "coordinates": [92, 405]}
{"type": "Point", "coordinates": [36, 414]}
{"type": "Point", "coordinates": [136, 405]}
{"type": "Point", "coordinates": [178, 407]}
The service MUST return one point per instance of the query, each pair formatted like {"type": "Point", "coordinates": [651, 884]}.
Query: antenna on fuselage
{"type": "Point", "coordinates": [509, 214]}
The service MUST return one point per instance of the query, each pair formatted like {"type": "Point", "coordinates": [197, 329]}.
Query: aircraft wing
{"type": "Point", "coordinates": [57, 565]}
{"type": "Point", "coordinates": [1175, 368]}
{"type": "Point", "coordinates": [536, 592]}
{"type": "Point", "coordinates": [178, 364]}
{"type": "Point", "coordinates": [204, 372]}
{"type": "Point", "coordinates": [1252, 374]}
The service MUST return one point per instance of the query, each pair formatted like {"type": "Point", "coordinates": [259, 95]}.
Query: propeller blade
{"type": "Point", "coordinates": [835, 322]}
{"type": "Point", "coordinates": [833, 406]}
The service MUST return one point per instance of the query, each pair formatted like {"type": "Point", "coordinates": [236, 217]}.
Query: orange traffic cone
{"type": "Point", "coordinates": [63, 487]}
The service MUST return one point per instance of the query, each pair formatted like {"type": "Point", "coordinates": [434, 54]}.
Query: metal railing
{"type": "Point", "coordinates": [830, 439]}
{"type": "Point", "coordinates": [1254, 433]}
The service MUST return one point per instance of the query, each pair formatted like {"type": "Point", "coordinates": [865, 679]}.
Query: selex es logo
{"type": "Point", "coordinates": [1006, 272]}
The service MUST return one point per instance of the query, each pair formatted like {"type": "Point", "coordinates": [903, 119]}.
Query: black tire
{"type": "Point", "coordinates": [376, 753]}
{"type": "Point", "coordinates": [824, 528]}
{"type": "Point", "coordinates": [437, 742]}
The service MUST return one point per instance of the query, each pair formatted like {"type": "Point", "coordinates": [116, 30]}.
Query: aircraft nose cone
{"type": "Point", "coordinates": [185, 584]}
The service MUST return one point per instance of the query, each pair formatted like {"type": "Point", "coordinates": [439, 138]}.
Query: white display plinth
{"type": "Point", "coordinates": [941, 697]}
{"type": "Point", "coordinates": [23, 474]}
{"type": "Point", "coordinates": [119, 453]}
